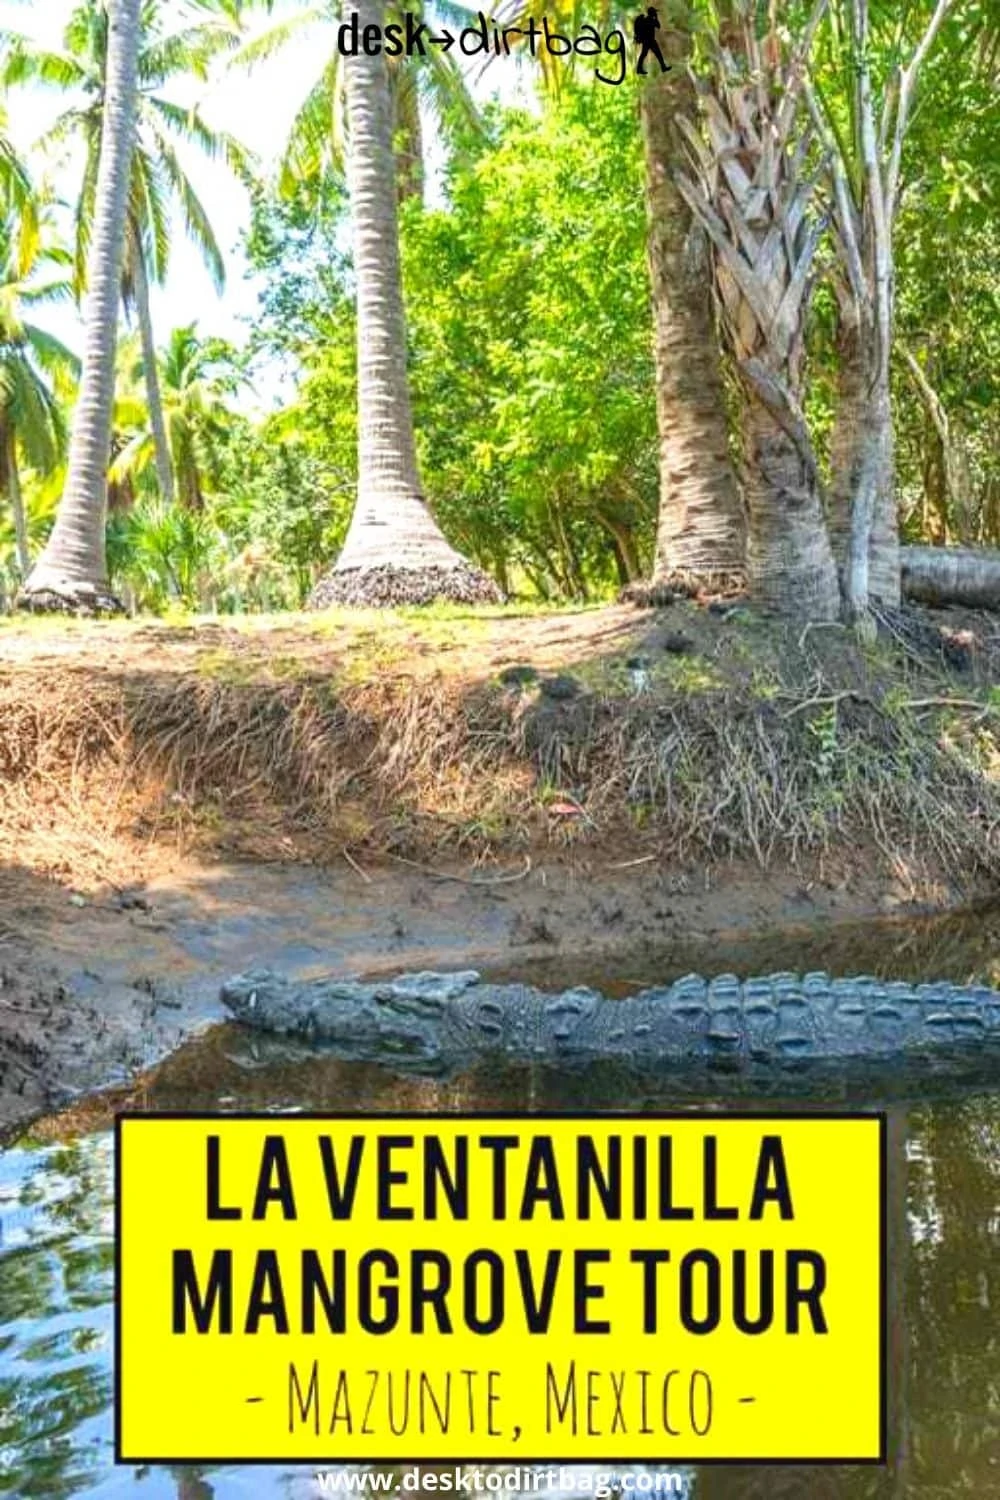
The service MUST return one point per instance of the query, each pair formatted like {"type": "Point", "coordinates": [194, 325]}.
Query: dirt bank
{"type": "Point", "coordinates": [694, 736]}
{"type": "Point", "coordinates": [360, 792]}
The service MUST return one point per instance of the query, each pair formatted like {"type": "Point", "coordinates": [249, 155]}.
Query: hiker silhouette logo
{"type": "Point", "coordinates": [644, 30]}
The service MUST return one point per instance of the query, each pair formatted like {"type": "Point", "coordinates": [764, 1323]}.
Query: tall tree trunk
{"type": "Point", "coordinates": [883, 543]}
{"type": "Point", "coordinates": [943, 491]}
{"type": "Point", "coordinates": [866, 198]}
{"type": "Point", "coordinates": [752, 194]}
{"type": "Point", "coordinates": [150, 370]}
{"type": "Point", "coordinates": [408, 139]}
{"type": "Point", "coordinates": [789, 558]}
{"type": "Point", "coordinates": [13, 478]}
{"type": "Point", "coordinates": [72, 570]}
{"type": "Point", "coordinates": [862, 498]}
{"type": "Point", "coordinates": [626, 556]}
{"type": "Point", "coordinates": [700, 532]}
{"type": "Point", "coordinates": [394, 553]}
{"type": "Point", "coordinates": [847, 415]}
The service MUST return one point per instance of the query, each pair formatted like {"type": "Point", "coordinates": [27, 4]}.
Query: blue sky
{"type": "Point", "coordinates": [258, 109]}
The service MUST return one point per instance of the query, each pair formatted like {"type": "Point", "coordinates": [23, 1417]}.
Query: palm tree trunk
{"type": "Point", "coordinates": [789, 559]}
{"type": "Point", "coordinates": [13, 485]}
{"type": "Point", "coordinates": [151, 374]}
{"type": "Point", "coordinates": [72, 570]}
{"type": "Point", "coordinates": [394, 553]}
{"type": "Point", "coordinates": [872, 567]}
{"type": "Point", "coordinates": [752, 195]}
{"type": "Point", "coordinates": [701, 532]}
{"type": "Point", "coordinates": [408, 136]}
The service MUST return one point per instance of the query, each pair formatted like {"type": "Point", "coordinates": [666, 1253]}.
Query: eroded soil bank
{"type": "Point", "coordinates": [359, 792]}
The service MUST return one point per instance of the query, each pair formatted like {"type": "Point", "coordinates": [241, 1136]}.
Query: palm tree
{"type": "Point", "coordinates": [17, 191]}
{"type": "Point", "coordinates": [395, 551]}
{"type": "Point", "coordinates": [753, 193]}
{"type": "Point", "coordinates": [700, 536]}
{"type": "Point", "coordinates": [72, 570]}
{"type": "Point", "coordinates": [198, 378]}
{"type": "Point", "coordinates": [158, 179]}
{"type": "Point", "coordinates": [316, 141]}
{"type": "Point", "coordinates": [33, 364]}
{"type": "Point", "coordinates": [866, 154]}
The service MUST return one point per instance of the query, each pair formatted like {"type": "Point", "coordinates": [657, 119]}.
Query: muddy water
{"type": "Point", "coordinates": [56, 1258]}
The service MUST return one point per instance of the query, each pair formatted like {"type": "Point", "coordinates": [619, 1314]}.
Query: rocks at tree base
{"type": "Point", "coordinates": [83, 600]}
{"type": "Point", "coordinates": [384, 588]}
{"type": "Point", "coordinates": [439, 1023]}
{"type": "Point", "coordinates": [647, 595]}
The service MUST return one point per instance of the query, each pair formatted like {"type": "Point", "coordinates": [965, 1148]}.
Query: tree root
{"type": "Point", "coordinates": [658, 593]}
{"type": "Point", "coordinates": [81, 600]}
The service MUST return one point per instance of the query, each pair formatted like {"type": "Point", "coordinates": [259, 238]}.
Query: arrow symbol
{"type": "Point", "coordinates": [444, 42]}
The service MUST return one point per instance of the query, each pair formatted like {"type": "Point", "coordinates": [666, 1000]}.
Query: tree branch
{"type": "Point", "coordinates": [907, 83]}
{"type": "Point", "coordinates": [845, 217]}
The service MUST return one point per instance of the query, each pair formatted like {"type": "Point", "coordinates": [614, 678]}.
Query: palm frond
{"type": "Point", "coordinates": [196, 221]}
{"type": "Point", "coordinates": [315, 137]}
{"type": "Point", "coordinates": [51, 353]}
{"type": "Point", "coordinates": [218, 145]}
{"type": "Point", "coordinates": [269, 43]}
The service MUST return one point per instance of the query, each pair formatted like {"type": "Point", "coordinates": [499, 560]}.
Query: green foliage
{"type": "Point", "coordinates": [948, 287]}
{"type": "Point", "coordinates": [36, 369]}
{"type": "Point", "coordinates": [278, 497]}
{"type": "Point", "coordinates": [528, 313]}
{"type": "Point", "coordinates": [529, 321]}
{"type": "Point", "coordinates": [160, 554]}
{"type": "Point", "coordinates": [199, 381]}
{"type": "Point", "coordinates": [532, 364]}
{"type": "Point", "coordinates": [269, 515]}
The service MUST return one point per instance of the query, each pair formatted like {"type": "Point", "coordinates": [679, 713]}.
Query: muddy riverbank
{"type": "Point", "coordinates": [515, 790]}
{"type": "Point", "coordinates": [97, 987]}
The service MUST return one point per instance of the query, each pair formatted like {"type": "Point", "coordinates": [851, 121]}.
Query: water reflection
{"type": "Point", "coordinates": [56, 1273]}
{"type": "Point", "coordinates": [56, 1283]}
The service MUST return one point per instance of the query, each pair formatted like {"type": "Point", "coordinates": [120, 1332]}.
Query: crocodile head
{"type": "Point", "coordinates": [396, 1021]}
{"type": "Point", "coordinates": [257, 998]}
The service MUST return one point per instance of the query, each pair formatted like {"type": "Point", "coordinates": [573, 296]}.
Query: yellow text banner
{"type": "Point", "coordinates": [440, 1288]}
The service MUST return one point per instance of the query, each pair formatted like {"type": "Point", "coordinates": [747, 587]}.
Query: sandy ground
{"type": "Point", "coordinates": [97, 988]}
{"type": "Point", "coordinates": [463, 642]}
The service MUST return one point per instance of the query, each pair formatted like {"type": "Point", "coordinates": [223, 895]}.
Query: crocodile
{"type": "Point", "coordinates": [443, 1023]}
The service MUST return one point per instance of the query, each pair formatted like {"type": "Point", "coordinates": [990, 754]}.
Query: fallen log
{"type": "Point", "coordinates": [951, 575]}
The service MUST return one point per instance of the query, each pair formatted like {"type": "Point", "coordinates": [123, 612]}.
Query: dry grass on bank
{"type": "Point", "coordinates": [694, 735]}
